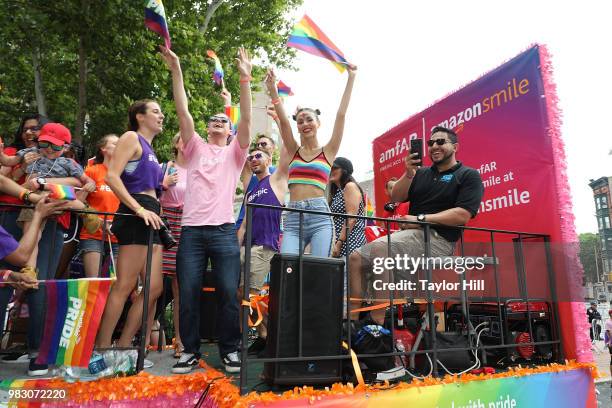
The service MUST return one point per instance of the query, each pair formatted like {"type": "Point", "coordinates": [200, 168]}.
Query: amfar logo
{"type": "Point", "coordinates": [401, 147]}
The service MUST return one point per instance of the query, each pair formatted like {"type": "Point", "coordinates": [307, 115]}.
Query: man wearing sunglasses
{"type": "Point", "coordinates": [445, 194]}
{"type": "Point", "coordinates": [208, 229]}
{"type": "Point", "coordinates": [248, 178]}
{"type": "Point", "coordinates": [270, 189]}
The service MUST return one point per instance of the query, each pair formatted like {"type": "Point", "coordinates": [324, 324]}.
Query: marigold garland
{"type": "Point", "coordinates": [224, 394]}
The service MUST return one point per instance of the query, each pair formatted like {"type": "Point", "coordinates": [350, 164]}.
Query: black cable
{"type": "Point", "coordinates": [205, 392]}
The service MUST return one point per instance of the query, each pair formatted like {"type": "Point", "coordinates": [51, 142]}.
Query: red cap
{"type": "Point", "coordinates": [55, 133]}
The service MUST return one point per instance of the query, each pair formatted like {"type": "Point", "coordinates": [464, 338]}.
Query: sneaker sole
{"type": "Point", "coordinates": [38, 373]}
{"type": "Point", "coordinates": [182, 370]}
{"type": "Point", "coordinates": [230, 369]}
{"type": "Point", "coordinates": [20, 360]}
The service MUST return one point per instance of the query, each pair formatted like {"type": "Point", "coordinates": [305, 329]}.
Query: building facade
{"type": "Point", "coordinates": [603, 213]}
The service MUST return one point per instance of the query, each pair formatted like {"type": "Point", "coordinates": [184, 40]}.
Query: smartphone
{"type": "Point", "coordinates": [171, 171]}
{"type": "Point", "coordinates": [416, 146]}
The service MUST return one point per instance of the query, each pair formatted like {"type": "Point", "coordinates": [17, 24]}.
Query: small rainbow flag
{"type": "Point", "coordinates": [218, 74]}
{"type": "Point", "coordinates": [74, 311]}
{"type": "Point", "coordinates": [155, 20]}
{"type": "Point", "coordinates": [369, 210]}
{"type": "Point", "coordinates": [308, 37]}
{"type": "Point", "coordinates": [61, 192]}
{"type": "Point", "coordinates": [233, 113]}
{"type": "Point", "coordinates": [284, 90]}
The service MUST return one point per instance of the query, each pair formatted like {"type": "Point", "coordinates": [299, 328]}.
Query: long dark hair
{"type": "Point", "coordinates": [345, 178]}
{"type": "Point", "coordinates": [17, 139]}
{"type": "Point", "coordinates": [136, 108]}
{"type": "Point", "coordinates": [99, 157]}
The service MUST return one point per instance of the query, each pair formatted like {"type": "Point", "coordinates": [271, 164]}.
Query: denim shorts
{"type": "Point", "coordinates": [95, 245]}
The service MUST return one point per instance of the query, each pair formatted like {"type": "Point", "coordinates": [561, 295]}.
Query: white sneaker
{"type": "Point", "coordinates": [148, 363]}
{"type": "Point", "coordinates": [16, 358]}
{"type": "Point", "coordinates": [186, 363]}
{"type": "Point", "coordinates": [232, 362]}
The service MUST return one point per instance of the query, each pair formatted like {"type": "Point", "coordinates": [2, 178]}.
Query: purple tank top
{"type": "Point", "coordinates": [266, 222]}
{"type": "Point", "coordinates": [147, 174]}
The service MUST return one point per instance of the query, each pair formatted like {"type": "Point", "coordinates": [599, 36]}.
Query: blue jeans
{"type": "Point", "coordinates": [317, 229]}
{"type": "Point", "coordinates": [49, 252]}
{"type": "Point", "coordinates": [199, 244]}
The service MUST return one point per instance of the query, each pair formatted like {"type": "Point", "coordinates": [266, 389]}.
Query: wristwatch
{"type": "Point", "coordinates": [421, 217]}
{"type": "Point", "coordinates": [41, 183]}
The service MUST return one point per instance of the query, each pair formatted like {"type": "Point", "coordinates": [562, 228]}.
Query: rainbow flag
{"type": "Point", "coordinates": [74, 310]}
{"type": "Point", "coordinates": [218, 74]}
{"type": "Point", "coordinates": [233, 112]}
{"type": "Point", "coordinates": [284, 90]}
{"type": "Point", "coordinates": [369, 210]}
{"type": "Point", "coordinates": [306, 36]}
{"type": "Point", "coordinates": [60, 191]}
{"type": "Point", "coordinates": [155, 20]}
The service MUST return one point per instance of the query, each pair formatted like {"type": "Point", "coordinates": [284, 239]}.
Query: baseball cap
{"type": "Point", "coordinates": [55, 133]}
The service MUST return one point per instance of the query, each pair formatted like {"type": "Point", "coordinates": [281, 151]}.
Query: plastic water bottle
{"type": "Point", "coordinates": [97, 364]}
{"type": "Point", "coordinates": [400, 361]}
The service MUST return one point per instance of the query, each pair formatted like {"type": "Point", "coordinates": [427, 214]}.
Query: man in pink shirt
{"type": "Point", "coordinates": [208, 231]}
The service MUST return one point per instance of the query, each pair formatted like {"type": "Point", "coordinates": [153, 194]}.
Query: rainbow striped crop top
{"type": "Point", "coordinates": [314, 172]}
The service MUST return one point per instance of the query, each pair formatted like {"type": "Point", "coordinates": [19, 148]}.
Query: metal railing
{"type": "Point", "coordinates": [464, 298]}
{"type": "Point", "coordinates": [4, 207]}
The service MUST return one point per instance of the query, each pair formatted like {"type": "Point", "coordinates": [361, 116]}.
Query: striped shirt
{"type": "Point", "coordinates": [314, 172]}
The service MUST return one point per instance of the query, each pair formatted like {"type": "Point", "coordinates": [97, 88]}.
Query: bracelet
{"type": "Point", "coordinates": [245, 80]}
{"type": "Point", "coordinates": [276, 101]}
{"type": "Point", "coordinates": [25, 196]}
{"type": "Point", "coordinates": [141, 209]}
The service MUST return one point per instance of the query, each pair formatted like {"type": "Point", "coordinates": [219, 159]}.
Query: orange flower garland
{"type": "Point", "coordinates": [225, 394]}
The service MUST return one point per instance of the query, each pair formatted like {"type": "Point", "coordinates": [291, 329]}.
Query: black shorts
{"type": "Point", "coordinates": [132, 230]}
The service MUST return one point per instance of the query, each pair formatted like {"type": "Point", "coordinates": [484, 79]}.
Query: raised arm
{"type": "Point", "coordinates": [284, 126]}
{"type": "Point", "coordinates": [186, 125]}
{"type": "Point", "coordinates": [244, 125]}
{"type": "Point", "coordinates": [332, 147]}
{"type": "Point", "coordinates": [399, 193]}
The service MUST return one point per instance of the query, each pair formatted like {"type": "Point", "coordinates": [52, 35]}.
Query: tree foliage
{"type": "Point", "coordinates": [589, 247]}
{"type": "Point", "coordinates": [121, 61]}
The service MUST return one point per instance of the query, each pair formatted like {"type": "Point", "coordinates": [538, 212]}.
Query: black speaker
{"type": "Point", "coordinates": [208, 308]}
{"type": "Point", "coordinates": [322, 300]}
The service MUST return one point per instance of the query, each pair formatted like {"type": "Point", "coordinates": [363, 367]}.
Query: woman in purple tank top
{"type": "Point", "coordinates": [135, 177]}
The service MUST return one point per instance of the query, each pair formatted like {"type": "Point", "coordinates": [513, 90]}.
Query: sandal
{"type": "Point", "coordinates": [178, 352]}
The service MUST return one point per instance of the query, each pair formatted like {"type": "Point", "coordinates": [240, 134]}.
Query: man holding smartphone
{"type": "Point", "coordinates": [446, 194]}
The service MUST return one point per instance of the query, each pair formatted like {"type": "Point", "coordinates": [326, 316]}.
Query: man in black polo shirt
{"type": "Point", "coordinates": [447, 193]}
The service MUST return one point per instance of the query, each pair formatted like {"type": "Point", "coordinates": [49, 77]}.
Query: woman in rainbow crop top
{"type": "Point", "coordinates": [309, 171]}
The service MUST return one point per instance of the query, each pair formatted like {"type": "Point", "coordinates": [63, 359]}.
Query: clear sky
{"type": "Point", "coordinates": [410, 54]}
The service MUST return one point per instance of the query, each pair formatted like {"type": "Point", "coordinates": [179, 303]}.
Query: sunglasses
{"type": "Point", "coordinates": [257, 156]}
{"type": "Point", "coordinates": [218, 119]}
{"type": "Point", "coordinates": [44, 145]}
{"type": "Point", "coordinates": [31, 129]}
{"type": "Point", "coordinates": [439, 142]}
{"type": "Point", "coordinates": [261, 144]}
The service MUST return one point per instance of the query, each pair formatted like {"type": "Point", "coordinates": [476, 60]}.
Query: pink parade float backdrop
{"type": "Point", "coordinates": [509, 129]}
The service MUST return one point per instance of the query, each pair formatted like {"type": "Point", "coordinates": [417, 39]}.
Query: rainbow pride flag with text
{"type": "Point", "coordinates": [74, 310]}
